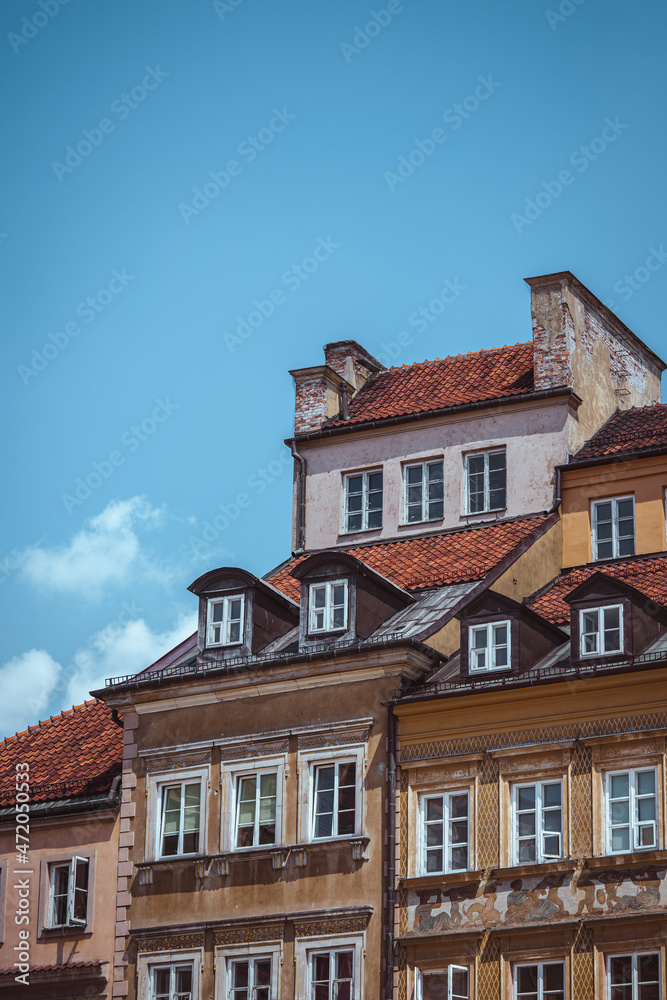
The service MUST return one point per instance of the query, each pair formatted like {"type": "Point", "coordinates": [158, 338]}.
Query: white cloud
{"type": "Point", "coordinates": [27, 683]}
{"type": "Point", "coordinates": [122, 649]}
{"type": "Point", "coordinates": [35, 686]}
{"type": "Point", "coordinates": [106, 551]}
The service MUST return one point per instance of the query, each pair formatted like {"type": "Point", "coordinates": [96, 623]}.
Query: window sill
{"type": "Point", "coordinates": [46, 933]}
{"type": "Point", "coordinates": [358, 531]}
{"type": "Point", "coordinates": [289, 856]}
{"type": "Point", "coordinates": [654, 854]}
{"type": "Point", "coordinates": [480, 514]}
{"type": "Point", "coordinates": [435, 881]}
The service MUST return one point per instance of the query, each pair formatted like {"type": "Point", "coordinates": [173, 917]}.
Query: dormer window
{"type": "Point", "coordinates": [601, 630]}
{"type": "Point", "coordinates": [225, 621]}
{"type": "Point", "coordinates": [328, 606]}
{"type": "Point", "coordinates": [489, 647]}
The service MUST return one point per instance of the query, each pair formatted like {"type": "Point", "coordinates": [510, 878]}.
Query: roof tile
{"type": "Point", "coordinates": [636, 429]}
{"type": "Point", "coordinates": [76, 753]}
{"type": "Point", "coordinates": [431, 561]}
{"type": "Point", "coordinates": [452, 381]}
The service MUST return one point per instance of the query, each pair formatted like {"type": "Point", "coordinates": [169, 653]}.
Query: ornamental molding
{"type": "Point", "coordinates": [172, 942]}
{"type": "Point", "coordinates": [250, 935]}
{"type": "Point", "coordinates": [324, 927]}
{"type": "Point", "coordinates": [254, 748]}
{"type": "Point", "coordinates": [334, 738]}
{"type": "Point", "coordinates": [634, 726]}
{"type": "Point", "coordinates": [177, 762]}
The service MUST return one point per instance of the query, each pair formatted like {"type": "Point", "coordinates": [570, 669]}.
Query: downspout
{"type": "Point", "coordinates": [391, 850]}
{"type": "Point", "coordinates": [557, 489]}
{"type": "Point", "coordinates": [301, 500]}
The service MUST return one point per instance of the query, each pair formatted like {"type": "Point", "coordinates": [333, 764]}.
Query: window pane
{"type": "Point", "coordinates": [646, 782]}
{"type": "Point", "coordinates": [526, 797]}
{"type": "Point", "coordinates": [414, 475]}
{"type": "Point", "coordinates": [434, 835]}
{"type": "Point", "coordinates": [603, 512]}
{"type": "Point", "coordinates": [217, 611]}
{"type": "Point", "coordinates": [435, 987]}
{"type": "Point", "coordinates": [374, 482]}
{"type": "Point", "coordinates": [240, 974]}
{"type": "Point", "coordinates": [479, 637]}
{"type": "Point", "coordinates": [527, 851]}
{"type": "Point", "coordinates": [554, 976]}
{"type": "Point", "coordinates": [620, 813]}
{"type": "Point", "coordinates": [648, 968]}
{"type": "Point", "coordinates": [459, 858]}
{"type": "Point", "coordinates": [458, 805]}
{"type": "Point", "coordinates": [620, 969]}
{"type": "Point", "coordinates": [434, 808]}
{"type": "Point", "coordinates": [551, 794]}
{"type": "Point", "coordinates": [434, 861]}
{"type": "Point", "coordinates": [346, 774]}
{"type": "Point", "coordinates": [611, 618]}
{"type": "Point", "coordinates": [646, 809]}
{"type": "Point", "coordinates": [620, 786]}
{"type": "Point", "coordinates": [161, 978]}
{"type": "Point", "coordinates": [459, 984]}
{"type": "Point", "coordinates": [346, 823]}
{"type": "Point", "coordinates": [526, 978]}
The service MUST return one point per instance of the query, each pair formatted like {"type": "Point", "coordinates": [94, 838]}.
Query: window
{"type": "Point", "coordinates": [445, 836]}
{"type": "Point", "coordinates": [423, 492]}
{"type": "Point", "coordinates": [332, 975]}
{"type": "Point", "coordinates": [541, 981]}
{"type": "Point", "coordinates": [453, 984]}
{"type": "Point", "coordinates": [256, 809]}
{"type": "Point", "coordinates": [328, 606]}
{"type": "Point", "coordinates": [538, 821]}
{"type": "Point", "coordinates": [171, 982]}
{"type": "Point", "coordinates": [363, 501]}
{"type": "Point", "coordinates": [225, 621]}
{"type": "Point", "coordinates": [68, 893]}
{"type": "Point", "coordinates": [334, 805]}
{"type": "Point", "coordinates": [486, 482]}
{"type": "Point", "coordinates": [613, 528]}
{"type": "Point", "coordinates": [180, 819]}
{"type": "Point", "coordinates": [632, 810]}
{"type": "Point", "coordinates": [601, 631]}
{"type": "Point", "coordinates": [489, 646]}
{"type": "Point", "coordinates": [250, 979]}
{"type": "Point", "coordinates": [633, 977]}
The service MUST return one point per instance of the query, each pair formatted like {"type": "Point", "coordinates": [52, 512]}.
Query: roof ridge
{"type": "Point", "coordinates": [451, 357]}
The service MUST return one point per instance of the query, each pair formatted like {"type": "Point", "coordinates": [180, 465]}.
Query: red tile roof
{"type": "Point", "coordinates": [453, 381]}
{"type": "Point", "coordinates": [433, 561]}
{"type": "Point", "coordinates": [636, 429]}
{"type": "Point", "coordinates": [73, 754]}
{"type": "Point", "coordinates": [647, 574]}
{"type": "Point", "coordinates": [55, 968]}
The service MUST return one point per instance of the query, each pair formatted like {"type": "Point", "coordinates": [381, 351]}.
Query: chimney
{"type": "Point", "coordinates": [322, 392]}
{"type": "Point", "coordinates": [352, 362]}
{"type": "Point", "coordinates": [554, 338]}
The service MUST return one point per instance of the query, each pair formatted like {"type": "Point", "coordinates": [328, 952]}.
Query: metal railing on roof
{"type": "Point", "coordinates": [210, 660]}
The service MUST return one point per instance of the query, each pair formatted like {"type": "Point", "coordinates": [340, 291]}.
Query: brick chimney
{"type": "Point", "coordinates": [554, 338]}
{"type": "Point", "coordinates": [322, 392]}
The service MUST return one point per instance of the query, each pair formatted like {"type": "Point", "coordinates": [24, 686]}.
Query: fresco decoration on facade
{"type": "Point", "coordinates": [249, 935]}
{"type": "Point", "coordinates": [252, 748]}
{"type": "Point", "coordinates": [527, 737]}
{"type": "Point", "coordinates": [172, 942]}
{"type": "Point", "coordinates": [555, 896]}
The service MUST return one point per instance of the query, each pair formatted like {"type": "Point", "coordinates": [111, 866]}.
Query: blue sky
{"type": "Point", "coordinates": [168, 165]}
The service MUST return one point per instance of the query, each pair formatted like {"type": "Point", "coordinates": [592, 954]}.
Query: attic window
{"type": "Point", "coordinates": [601, 630]}
{"type": "Point", "coordinates": [327, 606]}
{"type": "Point", "coordinates": [489, 647]}
{"type": "Point", "coordinates": [225, 621]}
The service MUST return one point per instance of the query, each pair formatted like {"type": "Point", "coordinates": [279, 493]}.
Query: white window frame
{"type": "Point", "coordinates": [634, 955]}
{"type": "Point", "coordinates": [365, 510]}
{"type": "Point", "coordinates": [633, 824]}
{"type": "Point", "coordinates": [308, 761]}
{"type": "Point", "coordinates": [446, 823]}
{"type": "Point", "coordinates": [155, 785]}
{"type": "Point", "coordinates": [226, 621]}
{"type": "Point", "coordinates": [147, 961]}
{"type": "Point", "coordinates": [600, 631]}
{"type": "Point", "coordinates": [448, 970]}
{"type": "Point", "coordinates": [425, 501]}
{"type": "Point", "coordinates": [227, 954]}
{"type": "Point", "coordinates": [490, 647]}
{"type": "Point", "coordinates": [540, 978]}
{"type": "Point", "coordinates": [307, 947]}
{"type": "Point", "coordinates": [615, 539]}
{"type": "Point", "coordinates": [72, 865]}
{"type": "Point", "coordinates": [328, 606]}
{"type": "Point", "coordinates": [540, 832]}
{"type": "Point", "coordinates": [487, 508]}
{"type": "Point", "coordinates": [231, 773]}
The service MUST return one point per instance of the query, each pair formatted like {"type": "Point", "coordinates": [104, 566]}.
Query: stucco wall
{"type": "Point", "coordinates": [535, 438]}
{"type": "Point", "coordinates": [645, 478]}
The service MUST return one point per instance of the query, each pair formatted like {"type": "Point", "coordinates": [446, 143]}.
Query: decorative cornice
{"type": "Point", "coordinates": [174, 942]}
{"type": "Point", "coordinates": [175, 762]}
{"type": "Point", "coordinates": [249, 935]}
{"type": "Point", "coordinates": [331, 925]}
{"type": "Point", "coordinates": [254, 748]}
